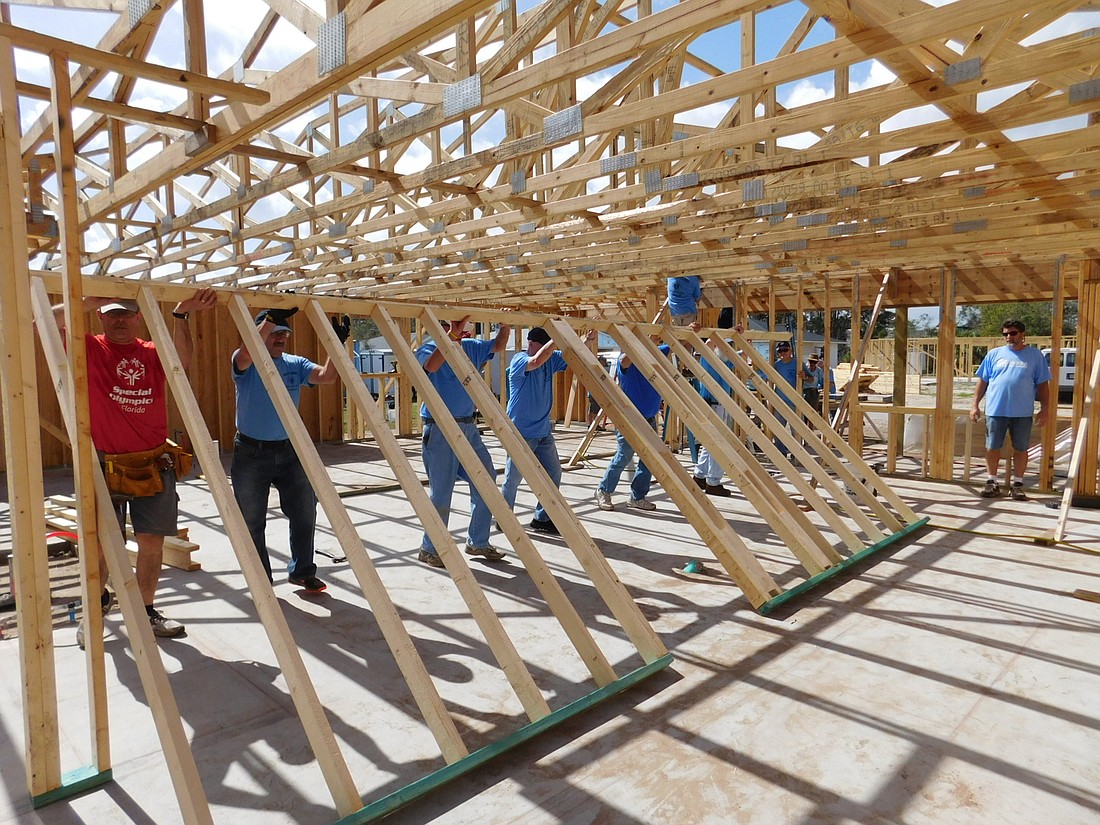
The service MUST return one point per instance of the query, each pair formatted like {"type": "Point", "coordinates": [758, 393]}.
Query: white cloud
{"type": "Point", "coordinates": [1068, 24]}
{"type": "Point", "coordinates": [877, 75]}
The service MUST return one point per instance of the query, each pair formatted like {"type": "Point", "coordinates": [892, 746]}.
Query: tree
{"type": "Point", "coordinates": [363, 329]}
{"type": "Point", "coordinates": [1037, 317]}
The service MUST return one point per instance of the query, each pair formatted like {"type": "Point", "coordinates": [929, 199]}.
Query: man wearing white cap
{"type": "Point", "coordinates": [127, 400]}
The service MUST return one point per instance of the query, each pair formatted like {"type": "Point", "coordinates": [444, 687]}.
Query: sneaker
{"type": "Point", "coordinates": [430, 559]}
{"type": "Point", "coordinates": [640, 504]}
{"type": "Point", "coordinates": [107, 607]}
{"type": "Point", "coordinates": [991, 490]}
{"type": "Point", "coordinates": [603, 500]}
{"type": "Point", "coordinates": [717, 490]}
{"type": "Point", "coordinates": [1017, 492]}
{"type": "Point", "coordinates": [488, 551]}
{"type": "Point", "coordinates": [700, 482]}
{"type": "Point", "coordinates": [544, 527]}
{"type": "Point", "coordinates": [163, 626]}
{"type": "Point", "coordinates": [310, 583]}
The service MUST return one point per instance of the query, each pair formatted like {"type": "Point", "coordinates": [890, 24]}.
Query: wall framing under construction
{"type": "Point", "coordinates": [414, 162]}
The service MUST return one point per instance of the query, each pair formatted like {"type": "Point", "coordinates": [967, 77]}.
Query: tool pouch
{"type": "Point", "coordinates": [136, 475]}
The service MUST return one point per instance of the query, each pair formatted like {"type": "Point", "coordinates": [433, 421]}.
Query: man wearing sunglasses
{"type": "Point", "coordinates": [1015, 377]}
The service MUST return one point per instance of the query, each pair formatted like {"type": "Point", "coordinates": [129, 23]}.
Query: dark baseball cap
{"type": "Point", "coordinates": [259, 319]}
{"type": "Point", "coordinates": [782, 346]}
{"type": "Point", "coordinates": [538, 335]}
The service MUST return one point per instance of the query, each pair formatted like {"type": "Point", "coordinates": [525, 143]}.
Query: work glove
{"type": "Point", "coordinates": [278, 317]}
{"type": "Point", "coordinates": [342, 328]}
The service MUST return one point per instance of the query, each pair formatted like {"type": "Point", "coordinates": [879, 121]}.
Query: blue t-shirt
{"type": "Point", "coordinates": [789, 371]}
{"type": "Point", "coordinates": [818, 379]}
{"type": "Point", "coordinates": [447, 384]}
{"type": "Point", "coordinates": [638, 389]}
{"type": "Point", "coordinates": [708, 396]}
{"type": "Point", "coordinates": [1012, 378]}
{"type": "Point", "coordinates": [683, 294]}
{"type": "Point", "coordinates": [531, 394]}
{"type": "Point", "coordinates": [256, 416]}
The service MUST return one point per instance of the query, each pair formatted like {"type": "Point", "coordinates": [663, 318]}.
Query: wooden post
{"type": "Point", "coordinates": [80, 438]}
{"type": "Point", "coordinates": [896, 426]}
{"type": "Point", "coordinates": [943, 419]}
{"type": "Point", "coordinates": [1088, 343]}
{"type": "Point", "coordinates": [23, 454]}
{"type": "Point", "coordinates": [849, 404]}
{"type": "Point", "coordinates": [1050, 431]}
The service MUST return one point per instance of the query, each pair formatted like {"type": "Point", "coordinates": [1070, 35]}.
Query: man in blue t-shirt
{"type": "Point", "coordinates": [440, 462]}
{"type": "Point", "coordinates": [787, 367]}
{"type": "Point", "coordinates": [530, 396]}
{"type": "Point", "coordinates": [684, 295]}
{"type": "Point", "coordinates": [263, 456]}
{"type": "Point", "coordinates": [1015, 377]}
{"type": "Point", "coordinates": [648, 401]}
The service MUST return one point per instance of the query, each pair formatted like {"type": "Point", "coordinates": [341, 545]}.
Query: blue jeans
{"type": "Point", "coordinates": [1018, 429]}
{"type": "Point", "coordinates": [546, 451]}
{"type": "Point", "coordinates": [444, 469]}
{"type": "Point", "coordinates": [639, 485]}
{"type": "Point", "coordinates": [256, 468]}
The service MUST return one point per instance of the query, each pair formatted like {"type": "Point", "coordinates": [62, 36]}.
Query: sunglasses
{"type": "Point", "coordinates": [1008, 333]}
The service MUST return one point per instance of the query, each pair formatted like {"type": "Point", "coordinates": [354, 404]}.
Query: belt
{"type": "Point", "coordinates": [466, 419]}
{"type": "Point", "coordinates": [256, 442]}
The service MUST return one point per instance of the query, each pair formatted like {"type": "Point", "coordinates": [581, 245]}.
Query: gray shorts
{"type": "Point", "coordinates": [157, 515]}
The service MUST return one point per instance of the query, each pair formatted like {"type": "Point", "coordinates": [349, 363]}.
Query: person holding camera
{"type": "Point", "coordinates": [263, 456]}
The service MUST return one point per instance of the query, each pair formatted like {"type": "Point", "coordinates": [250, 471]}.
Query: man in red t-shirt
{"type": "Point", "coordinates": [129, 413]}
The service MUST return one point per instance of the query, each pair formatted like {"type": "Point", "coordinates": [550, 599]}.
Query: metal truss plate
{"type": "Point", "coordinates": [795, 246]}
{"type": "Point", "coordinates": [812, 220]}
{"type": "Point", "coordinates": [962, 71]}
{"type": "Point", "coordinates": [519, 182]}
{"type": "Point", "coordinates": [136, 9]}
{"type": "Point", "coordinates": [969, 226]}
{"type": "Point", "coordinates": [463, 96]}
{"type": "Point", "coordinates": [652, 181]}
{"type": "Point", "coordinates": [765, 209]}
{"type": "Point", "coordinates": [617, 163]}
{"type": "Point", "coordinates": [332, 44]}
{"type": "Point", "coordinates": [1087, 90]}
{"type": "Point", "coordinates": [563, 124]}
{"type": "Point", "coordinates": [752, 190]}
{"type": "Point", "coordinates": [683, 181]}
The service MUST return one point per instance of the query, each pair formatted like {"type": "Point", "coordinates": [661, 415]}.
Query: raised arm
{"type": "Point", "coordinates": [181, 328]}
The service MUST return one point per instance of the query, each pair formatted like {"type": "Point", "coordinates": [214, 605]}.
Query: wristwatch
{"type": "Point", "coordinates": [181, 315]}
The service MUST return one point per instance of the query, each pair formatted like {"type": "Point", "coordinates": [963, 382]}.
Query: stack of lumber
{"type": "Point", "coordinates": [61, 515]}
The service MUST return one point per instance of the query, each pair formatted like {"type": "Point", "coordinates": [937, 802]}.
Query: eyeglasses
{"type": "Point", "coordinates": [1008, 333]}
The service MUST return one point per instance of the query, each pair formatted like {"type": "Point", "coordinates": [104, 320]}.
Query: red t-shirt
{"type": "Point", "coordinates": [126, 395]}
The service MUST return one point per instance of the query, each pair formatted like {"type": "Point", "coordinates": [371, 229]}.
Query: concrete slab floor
{"type": "Point", "coordinates": [953, 679]}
